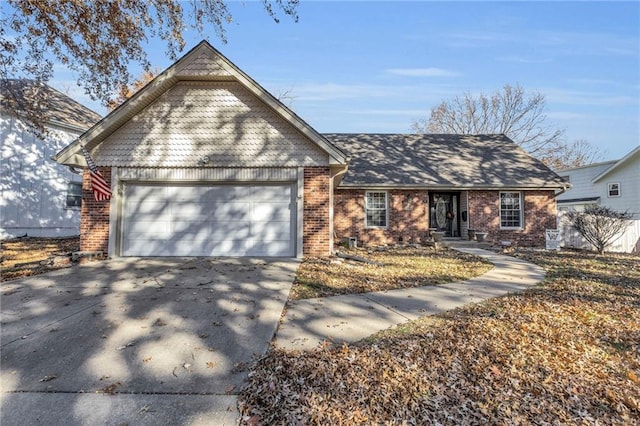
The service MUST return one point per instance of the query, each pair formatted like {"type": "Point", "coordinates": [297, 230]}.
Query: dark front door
{"type": "Point", "coordinates": [443, 207]}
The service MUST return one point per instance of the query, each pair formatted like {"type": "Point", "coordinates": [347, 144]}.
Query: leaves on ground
{"type": "Point", "coordinates": [564, 352]}
{"type": "Point", "coordinates": [27, 250]}
{"type": "Point", "coordinates": [403, 267]}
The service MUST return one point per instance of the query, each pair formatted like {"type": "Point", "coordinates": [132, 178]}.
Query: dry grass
{"type": "Point", "coordinates": [26, 250]}
{"type": "Point", "coordinates": [403, 267]}
{"type": "Point", "coordinates": [565, 352]}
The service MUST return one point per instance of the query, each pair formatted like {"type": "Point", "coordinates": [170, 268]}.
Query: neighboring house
{"type": "Point", "coordinates": [614, 184]}
{"type": "Point", "coordinates": [39, 197]}
{"type": "Point", "coordinates": [204, 162]}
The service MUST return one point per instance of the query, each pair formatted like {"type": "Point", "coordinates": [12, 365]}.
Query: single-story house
{"type": "Point", "coordinates": [612, 184]}
{"type": "Point", "coordinates": [203, 161]}
{"type": "Point", "coordinates": [39, 197]}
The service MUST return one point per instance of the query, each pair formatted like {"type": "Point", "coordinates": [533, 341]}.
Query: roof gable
{"type": "Point", "coordinates": [634, 155]}
{"type": "Point", "coordinates": [202, 63]}
{"type": "Point", "coordinates": [441, 161]}
{"type": "Point", "coordinates": [220, 121]}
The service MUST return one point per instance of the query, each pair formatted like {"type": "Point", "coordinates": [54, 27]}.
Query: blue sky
{"type": "Point", "coordinates": [377, 66]}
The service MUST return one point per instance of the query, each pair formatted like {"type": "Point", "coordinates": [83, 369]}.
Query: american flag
{"type": "Point", "coordinates": [99, 186]}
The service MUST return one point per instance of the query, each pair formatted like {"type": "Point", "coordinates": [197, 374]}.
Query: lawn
{"type": "Point", "coordinates": [402, 268]}
{"type": "Point", "coordinates": [564, 352]}
{"type": "Point", "coordinates": [27, 250]}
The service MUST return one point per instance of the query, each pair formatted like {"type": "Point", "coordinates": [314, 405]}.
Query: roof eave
{"type": "Point", "coordinates": [452, 187]}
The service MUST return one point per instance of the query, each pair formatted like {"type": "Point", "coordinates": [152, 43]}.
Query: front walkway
{"type": "Point", "coordinates": [353, 317]}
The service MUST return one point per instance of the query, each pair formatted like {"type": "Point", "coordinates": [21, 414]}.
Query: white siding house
{"type": "Point", "coordinates": [39, 197]}
{"type": "Point", "coordinates": [614, 184]}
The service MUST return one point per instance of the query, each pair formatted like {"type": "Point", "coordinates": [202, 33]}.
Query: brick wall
{"type": "Point", "coordinates": [94, 216]}
{"type": "Point", "coordinates": [316, 229]}
{"type": "Point", "coordinates": [539, 214]}
{"type": "Point", "coordinates": [407, 217]}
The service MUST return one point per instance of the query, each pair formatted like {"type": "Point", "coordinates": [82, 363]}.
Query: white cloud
{"type": "Point", "coordinates": [423, 72]}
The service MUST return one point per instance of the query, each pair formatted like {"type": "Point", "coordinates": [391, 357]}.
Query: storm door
{"type": "Point", "coordinates": [443, 209]}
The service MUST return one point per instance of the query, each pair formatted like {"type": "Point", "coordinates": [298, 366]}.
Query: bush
{"type": "Point", "coordinates": [601, 226]}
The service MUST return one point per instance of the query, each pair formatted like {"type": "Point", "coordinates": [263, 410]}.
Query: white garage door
{"type": "Point", "coordinates": [196, 220]}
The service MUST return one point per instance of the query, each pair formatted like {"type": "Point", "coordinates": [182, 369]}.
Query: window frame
{"type": "Point", "coordinates": [520, 210]}
{"type": "Point", "coordinates": [78, 195]}
{"type": "Point", "coordinates": [609, 185]}
{"type": "Point", "coordinates": [367, 209]}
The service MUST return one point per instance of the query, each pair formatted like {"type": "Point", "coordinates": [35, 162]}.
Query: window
{"type": "Point", "coordinates": [613, 189]}
{"type": "Point", "coordinates": [74, 194]}
{"type": "Point", "coordinates": [510, 210]}
{"type": "Point", "coordinates": [375, 209]}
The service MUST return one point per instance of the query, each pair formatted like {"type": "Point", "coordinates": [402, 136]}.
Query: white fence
{"type": "Point", "coordinates": [629, 241]}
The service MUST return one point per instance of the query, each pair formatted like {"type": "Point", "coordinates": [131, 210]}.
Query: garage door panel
{"type": "Point", "coordinates": [220, 220]}
{"type": "Point", "coordinates": [151, 208]}
{"type": "Point", "coordinates": [271, 231]}
{"type": "Point", "coordinates": [224, 193]}
{"type": "Point", "coordinates": [141, 228]}
{"type": "Point", "coordinates": [268, 211]}
{"type": "Point", "coordinates": [270, 193]}
{"type": "Point", "coordinates": [270, 248]}
{"type": "Point", "coordinates": [233, 210]}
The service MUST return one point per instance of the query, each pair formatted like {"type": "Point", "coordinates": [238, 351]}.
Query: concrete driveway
{"type": "Point", "coordinates": [137, 341]}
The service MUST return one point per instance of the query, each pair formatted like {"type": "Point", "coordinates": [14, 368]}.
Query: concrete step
{"type": "Point", "coordinates": [460, 243]}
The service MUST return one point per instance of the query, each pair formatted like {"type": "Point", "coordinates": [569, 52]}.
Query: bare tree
{"type": "Point", "coordinates": [286, 96]}
{"type": "Point", "coordinates": [509, 111]}
{"type": "Point", "coordinates": [601, 226]}
{"type": "Point", "coordinates": [98, 39]}
{"type": "Point", "coordinates": [579, 153]}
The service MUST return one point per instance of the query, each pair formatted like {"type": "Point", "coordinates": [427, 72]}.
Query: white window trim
{"type": "Point", "coordinates": [609, 190]}
{"type": "Point", "coordinates": [386, 210]}
{"type": "Point", "coordinates": [521, 202]}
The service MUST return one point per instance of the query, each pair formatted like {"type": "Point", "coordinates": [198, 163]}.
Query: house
{"type": "Point", "coordinates": [39, 197]}
{"type": "Point", "coordinates": [399, 186]}
{"type": "Point", "coordinates": [204, 162]}
{"type": "Point", "coordinates": [614, 184]}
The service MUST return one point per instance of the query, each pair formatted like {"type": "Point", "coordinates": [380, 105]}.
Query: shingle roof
{"type": "Point", "coordinates": [455, 161]}
{"type": "Point", "coordinates": [61, 109]}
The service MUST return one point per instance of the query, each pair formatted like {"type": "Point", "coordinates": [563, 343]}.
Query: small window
{"type": "Point", "coordinates": [74, 194]}
{"type": "Point", "coordinates": [510, 210]}
{"type": "Point", "coordinates": [613, 189]}
{"type": "Point", "coordinates": [375, 209]}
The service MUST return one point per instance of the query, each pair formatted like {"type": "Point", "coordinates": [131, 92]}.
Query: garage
{"type": "Point", "coordinates": [208, 220]}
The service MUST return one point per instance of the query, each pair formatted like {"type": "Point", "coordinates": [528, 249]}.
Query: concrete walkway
{"type": "Point", "coordinates": [353, 317]}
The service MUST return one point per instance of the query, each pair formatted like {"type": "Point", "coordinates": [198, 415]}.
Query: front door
{"type": "Point", "coordinates": [443, 217]}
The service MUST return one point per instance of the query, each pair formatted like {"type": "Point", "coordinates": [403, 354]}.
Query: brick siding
{"type": "Point", "coordinates": [539, 214]}
{"type": "Point", "coordinates": [316, 225]}
{"type": "Point", "coordinates": [94, 216]}
{"type": "Point", "coordinates": [407, 217]}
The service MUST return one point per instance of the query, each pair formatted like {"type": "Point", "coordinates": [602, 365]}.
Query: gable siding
{"type": "Point", "coordinates": [205, 64]}
{"type": "Point", "coordinates": [33, 188]}
{"type": "Point", "coordinates": [222, 121]}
